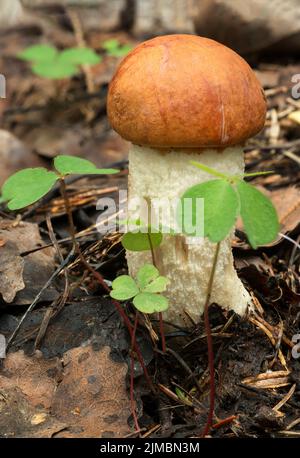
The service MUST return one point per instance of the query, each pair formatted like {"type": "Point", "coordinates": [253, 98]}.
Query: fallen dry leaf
{"type": "Point", "coordinates": [11, 272]}
{"type": "Point", "coordinates": [26, 274]}
{"type": "Point", "coordinates": [18, 418]}
{"type": "Point", "coordinates": [35, 377]}
{"type": "Point", "coordinates": [27, 386]}
{"type": "Point", "coordinates": [287, 204]}
{"type": "Point", "coordinates": [92, 397]}
{"type": "Point", "coordinates": [82, 396]}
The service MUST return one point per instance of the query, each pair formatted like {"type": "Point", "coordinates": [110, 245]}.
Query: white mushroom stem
{"type": "Point", "coordinates": [154, 174]}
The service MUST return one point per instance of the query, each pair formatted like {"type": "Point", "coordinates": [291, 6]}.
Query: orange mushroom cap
{"type": "Point", "coordinates": [185, 91]}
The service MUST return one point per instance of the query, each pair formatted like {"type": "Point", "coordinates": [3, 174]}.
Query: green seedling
{"type": "Point", "coordinates": [141, 241]}
{"type": "Point", "coordinates": [46, 61]}
{"type": "Point", "coordinates": [144, 291]}
{"type": "Point", "coordinates": [29, 185]}
{"type": "Point", "coordinates": [228, 197]}
{"type": "Point", "coordinates": [114, 48]}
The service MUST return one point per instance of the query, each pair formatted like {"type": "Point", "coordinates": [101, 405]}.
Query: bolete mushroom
{"type": "Point", "coordinates": [182, 98]}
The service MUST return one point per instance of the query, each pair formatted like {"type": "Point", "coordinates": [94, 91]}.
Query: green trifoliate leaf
{"type": "Point", "coordinates": [79, 56]}
{"type": "Point", "coordinates": [120, 52]}
{"type": "Point", "coordinates": [111, 44]}
{"type": "Point", "coordinates": [27, 186]}
{"type": "Point", "coordinates": [150, 303]}
{"type": "Point", "coordinates": [139, 241]}
{"type": "Point", "coordinates": [157, 286]}
{"type": "Point", "coordinates": [146, 274]}
{"type": "Point", "coordinates": [39, 53]}
{"type": "Point", "coordinates": [115, 49]}
{"type": "Point", "coordinates": [54, 69]}
{"type": "Point", "coordinates": [221, 207]}
{"type": "Point", "coordinates": [124, 288]}
{"type": "Point", "coordinates": [258, 214]}
{"type": "Point", "coordinates": [67, 165]}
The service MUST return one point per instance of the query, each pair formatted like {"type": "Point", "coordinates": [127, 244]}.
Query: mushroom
{"type": "Point", "coordinates": [177, 99]}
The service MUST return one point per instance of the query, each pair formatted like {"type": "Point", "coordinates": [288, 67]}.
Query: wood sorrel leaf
{"type": "Point", "coordinates": [54, 69]}
{"type": "Point", "coordinates": [139, 241]}
{"type": "Point", "coordinates": [146, 274]}
{"type": "Point", "coordinates": [150, 303]}
{"type": "Point", "coordinates": [120, 51]}
{"type": "Point", "coordinates": [111, 44]}
{"type": "Point", "coordinates": [157, 286]}
{"type": "Point", "coordinates": [79, 56]}
{"type": "Point", "coordinates": [258, 214]}
{"type": "Point", "coordinates": [39, 53]}
{"type": "Point", "coordinates": [220, 208]}
{"type": "Point", "coordinates": [27, 186]}
{"type": "Point", "coordinates": [124, 288]}
{"type": "Point", "coordinates": [67, 165]}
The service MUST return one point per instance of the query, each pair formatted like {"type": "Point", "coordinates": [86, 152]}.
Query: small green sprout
{"type": "Point", "coordinates": [227, 197]}
{"type": "Point", "coordinates": [141, 241]}
{"type": "Point", "coordinates": [29, 185]}
{"type": "Point", "coordinates": [144, 291]}
{"type": "Point", "coordinates": [114, 48]}
{"type": "Point", "coordinates": [46, 61]}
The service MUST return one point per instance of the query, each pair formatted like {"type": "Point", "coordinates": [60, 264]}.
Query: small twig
{"type": "Point", "coordinates": [38, 296]}
{"type": "Point", "coordinates": [224, 422]}
{"type": "Point", "coordinates": [186, 367]}
{"type": "Point", "coordinates": [135, 419]}
{"type": "Point", "coordinates": [77, 27]}
{"type": "Point", "coordinates": [60, 302]}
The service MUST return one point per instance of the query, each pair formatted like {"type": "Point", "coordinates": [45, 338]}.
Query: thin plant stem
{"type": "Point", "coordinates": [100, 279]}
{"type": "Point", "coordinates": [161, 323]}
{"type": "Point", "coordinates": [135, 418]}
{"type": "Point", "coordinates": [210, 350]}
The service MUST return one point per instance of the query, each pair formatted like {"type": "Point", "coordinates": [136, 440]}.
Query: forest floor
{"type": "Point", "coordinates": [67, 371]}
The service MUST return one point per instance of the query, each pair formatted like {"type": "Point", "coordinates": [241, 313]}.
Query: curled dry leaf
{"type": "Point", "coordinates": [11, 272]}
{"type": "Point", "coordinates": [85, 396]}
{"type": "Point", "coordinates": [23, 275]}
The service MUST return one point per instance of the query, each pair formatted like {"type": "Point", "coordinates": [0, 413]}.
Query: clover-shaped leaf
{"type": "Point", "coordinates": [67, 165]}
{"type": "Point", "coordinates": [27, 186]}
{"type": "Point", "coordinates": [124, 288]}
{"type": "Point", "coordinates": [114, 48]}
{"type": "Point", "coordinates": [79, 56]}
{"type": "Point", "coordinates": [158, 285]}
{"type": "Point", "coordinates": [39, 53]}
{"type": "Point", "coordinates": [150, 281]}
{"type": "Point", "coordinates": [150, 303]}
{"type": "Point", "coordinates": [144, 292]}
{"type": "Point", "coordinates": [146, 274]}
{"type": "Point", "coordinates": [139, 240]}
{"type": "Point", "coordinates": [55, 70]}
{"type": "Point", "coordinates": [221, 207]}
{"type": "Point", "coordinates": [258, 214]}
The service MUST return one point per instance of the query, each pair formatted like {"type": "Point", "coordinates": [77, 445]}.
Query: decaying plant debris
{"type": "Point", "coordinates": [257, 378]}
